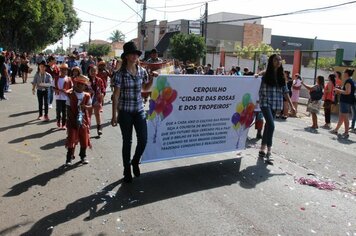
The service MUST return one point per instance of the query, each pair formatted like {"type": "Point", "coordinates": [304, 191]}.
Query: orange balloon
{"type": "Point", "coordinates": [167, 93]}
{"type": "Point", "coordinates": [250, 107]}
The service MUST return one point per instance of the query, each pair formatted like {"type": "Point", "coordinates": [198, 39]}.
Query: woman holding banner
{"type": "Point", "coordinates": [127, 108]}
{"type": "Point", "coordinates": [273, 89]}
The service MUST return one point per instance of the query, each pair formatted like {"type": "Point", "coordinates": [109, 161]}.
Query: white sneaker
{"type": "Point", "coordinates": [50, 106]}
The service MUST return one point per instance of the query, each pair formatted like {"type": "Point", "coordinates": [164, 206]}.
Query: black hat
{"type": "Point", "coordinates": [42, 63]}
{"type": "Point", "coordinates": [154, 51]}
{"type": "Point", "coordinates": [130, 48]}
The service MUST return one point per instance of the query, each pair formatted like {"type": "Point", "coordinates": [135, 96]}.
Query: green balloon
{"type": "Point", "coordinates": [246, 99]}
{"type": "Point", "coordinates": [161, 82]}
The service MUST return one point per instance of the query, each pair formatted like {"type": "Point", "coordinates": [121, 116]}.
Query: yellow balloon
{"type": "Point", "coordinates": [237, 126]}
{"type": "Point", "coordinates": [239, 107]}
{"type": "Point", "coordinates": [153, 115]}
{"type": "Point", "coordinates": [154, 94]}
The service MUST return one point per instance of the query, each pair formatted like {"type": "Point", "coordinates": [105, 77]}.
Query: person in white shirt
{"type": "Point", "coordinates": [60, 86]}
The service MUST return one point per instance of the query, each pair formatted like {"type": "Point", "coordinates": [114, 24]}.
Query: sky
{"type": "Point", "coordinates": [334, 24]}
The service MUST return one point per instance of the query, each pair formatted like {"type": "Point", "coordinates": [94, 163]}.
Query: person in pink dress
{"type": "Point", "coordinates": [297, 85]}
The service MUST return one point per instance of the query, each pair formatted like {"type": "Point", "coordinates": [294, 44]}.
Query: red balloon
{"type": "Point", "coordinates": [167, 110]}
{"type": "Point", "coordinates": [172, 97]}
{"type": "Point", "coordinates": [167, 93]}
{"type": "Point", "coordinates": [249, 120]}
{"type": "Point", "coordinates": [243, 117]}
{"type": "Point", "coordinates": [250, 108]}
{"type": "Point", "coordinates": [160, 104]}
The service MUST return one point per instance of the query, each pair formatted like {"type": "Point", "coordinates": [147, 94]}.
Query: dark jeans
{"type": "Point", "coordinates": [127, 121]}
{"type": "Point", "coordinates": [2, 87]}
{"type": "Point", "coordinates": [42, 97]}
{"type": "Point", "coordinates": [13, 74]}
{"type": "Point", "coordinates": [269, 116]}
{"type": "Point", "coordinates": [327, 111]}
{"type": "Point", "coordinates": [61, 109]}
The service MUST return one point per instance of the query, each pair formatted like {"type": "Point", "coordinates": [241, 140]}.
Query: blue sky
{"type": "Point", "coordinates": [334, 24]}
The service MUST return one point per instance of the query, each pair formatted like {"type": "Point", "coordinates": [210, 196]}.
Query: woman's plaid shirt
{"type": "Point", "coordinates": [272, 96]}
{"type": "Point", "coordinates": [130, 89]}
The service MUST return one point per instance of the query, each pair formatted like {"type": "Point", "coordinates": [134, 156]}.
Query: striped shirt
{"type": "Point", "coordinates": [272, 96]}
{"type": "Point", "coordinates": [130, 89]}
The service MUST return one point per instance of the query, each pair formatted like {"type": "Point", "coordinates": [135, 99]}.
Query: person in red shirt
{"type": "Point", "coordinates": [78, 123]}
{"type": "Point", "coordinates": [103, 74]}
{"type": "Point", "coordinates": [97, 91]}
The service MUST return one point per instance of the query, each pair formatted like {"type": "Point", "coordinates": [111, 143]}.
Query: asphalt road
{"type": "Point", "coordinates": [223, 194]}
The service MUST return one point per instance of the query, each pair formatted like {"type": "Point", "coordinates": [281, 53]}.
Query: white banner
{"type": "Point", "coordinates": [191, 115]}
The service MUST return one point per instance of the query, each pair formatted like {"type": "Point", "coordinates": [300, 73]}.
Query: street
{"type": "Point", "coordinates": [231, 193]}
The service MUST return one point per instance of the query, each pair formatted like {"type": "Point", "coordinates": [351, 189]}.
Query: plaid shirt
{"type": "Point", "coordinates": [130, 89]}
{"type": "Point", "coordinates": [272, 96]}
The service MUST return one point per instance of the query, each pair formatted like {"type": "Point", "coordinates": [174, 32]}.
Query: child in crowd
{"type": "Point", "coordinates": [97, 91]}
{"type": "Point", "coordinates": [61, 85]}
{"type": "Point", "coordinates": [78, 122]}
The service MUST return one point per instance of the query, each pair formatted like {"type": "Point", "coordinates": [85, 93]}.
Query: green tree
{"type": "Point", "coordinates": [325, 63]}
{"type": "Point", "coordinates": [99, 50]}
{"type": "Point", "coordinates": [48, 51]}
{"type": "Point", "coordinates": [186, 47]}
{"type": "Point", "coordinates": [248, 52]}
{"type": "Point", "coordinates": [59, 50]}
{"type": "Point", "coordinates": [353, 63]}
{"type": "Point", "coordinates": [117, 36]}
{"type": "Point", "coordinates": [29, 25]}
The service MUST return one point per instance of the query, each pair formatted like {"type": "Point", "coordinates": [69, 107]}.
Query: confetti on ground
{"type": "Point", "coordinates": [302, 208]}
{"type": "Point", "coordinates": [323, 185]}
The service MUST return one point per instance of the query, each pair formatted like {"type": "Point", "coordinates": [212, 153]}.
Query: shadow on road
{"type": "Point", "coordinates": [17, 125]}
{"type": "Point", "coordinates": [23, 113]}
{"type": "Point", "coordinates": [253, 175]}
{"type": "Point", "coordinates": [34, 136]}
{"type": "Point", "coordinates": [41, 180]}
{"type": "Point", "coordinates": [150, 187]}
{"type": "Point", "coordinates": [59, 143]}
{"type": "Point", "coordinates": [13, 228]}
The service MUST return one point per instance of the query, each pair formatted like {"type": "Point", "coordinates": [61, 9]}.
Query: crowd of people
{"type": "Point", "coordinates": [78, 89]}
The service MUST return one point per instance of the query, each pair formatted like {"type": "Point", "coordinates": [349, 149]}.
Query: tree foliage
{"type": "Point", "coordinates": [186, 47]}
{"type": "Point", "coordinates": [99, 50]}
{"type": "Point", "coordinates": [248, 52]}
{"type": "Point", "coordinates": [59, 50]}
{"type": "Point", "coordinates": [29, 25]}
{"type": "Point", "coordinates": [353, 63]}
{"type": "Point", "coordinates": [325, 63]}
{"type": "Point", "coordinates": [117, 36]}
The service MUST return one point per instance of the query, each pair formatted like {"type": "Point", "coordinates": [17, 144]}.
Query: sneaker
{"type": "Point", "coordinates": [8, 91]}
{"type": "Point", "coordinates": [50, 106]}
{"type": "Point", "coordinates": [127, 176]}
{"type": "Point", "coordinates": [326, 126]}
{"type": "Point", "coordinates": [333, 132]}
{"type": "Point", "coordinates": [46, 118]}
{"type": "Point", "coordinates": [4, 98]}
{"type": "Point", "coordinates": [344, 136]}
{"type": "Point", "coordinates": [69, 163]}
{"type": "Point", "coordinates": [261, 154]}
{"type": "Point", "coordinates": [39, 118]}
{"type": "Point", "coordinates": [64, 127]}
{"type": "Point", "coordinates": [84, 161]}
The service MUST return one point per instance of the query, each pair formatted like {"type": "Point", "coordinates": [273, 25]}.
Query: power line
{"type": "Point", "coordinates": [287, 13]}
{"type": "Point", "coordinates": [175, 11]}
{"type": "Point", "coordinates": [184, 5]}
{"type": "Point", "coordinates": [98, 32]}
{"type": "Point", "coordinates": [131, 8]}
{"type": "Point", "coordinates": [105, 18]}
{"type": "Point", "coordinates": [314, 23]}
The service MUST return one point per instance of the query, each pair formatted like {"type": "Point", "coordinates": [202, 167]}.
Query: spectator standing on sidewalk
{"type": "Point", "coordinates": [4, 77]}
{"type": "Point", "coordinates": [316, 94]}
{"type": "Point", "coordinates": [353, 110]}
{"type": "Point", "coordinates": [42, 81]}
{"type": "Point", "coordinates": [273, 89]}
{"type": "Point", "coordinates": [328, 99]}
{"type": "Point", "coordinates": [347, 99]}
{"type": "Point", "coordinates": [296, 86]}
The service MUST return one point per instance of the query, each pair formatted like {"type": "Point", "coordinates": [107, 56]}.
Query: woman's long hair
{"type": "Point", "coordinates": [332, 79]}
{"type": "Point", "coordinates": [321, 81]}
{"type": "Point", "coordinates": [269, 77]}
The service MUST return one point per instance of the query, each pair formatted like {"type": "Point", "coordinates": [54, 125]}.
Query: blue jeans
{"type": "Point", "coordinates": [50, 95]}
{"type": "Point", "coordinates": [353, 110]}
{"type": "Point", "coordinates": [269, 116]}
{"type": "Point", "coordinates": [127, 121]}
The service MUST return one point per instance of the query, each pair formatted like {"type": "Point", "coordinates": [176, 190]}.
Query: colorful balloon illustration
{"type": "Point", "coordinates": [239, 107]}
{"type": "Point", "coordinates": [246, 99]}
{"type": "Point", "coordinates": [154, 94]}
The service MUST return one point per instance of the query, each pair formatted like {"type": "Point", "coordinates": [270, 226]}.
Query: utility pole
{"type": "Point", "coordinates": [205, 29]}
{"type": "Point", "coordinates": [143, 28]}
{"type": "Point", "coordinates": [90, 22]}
